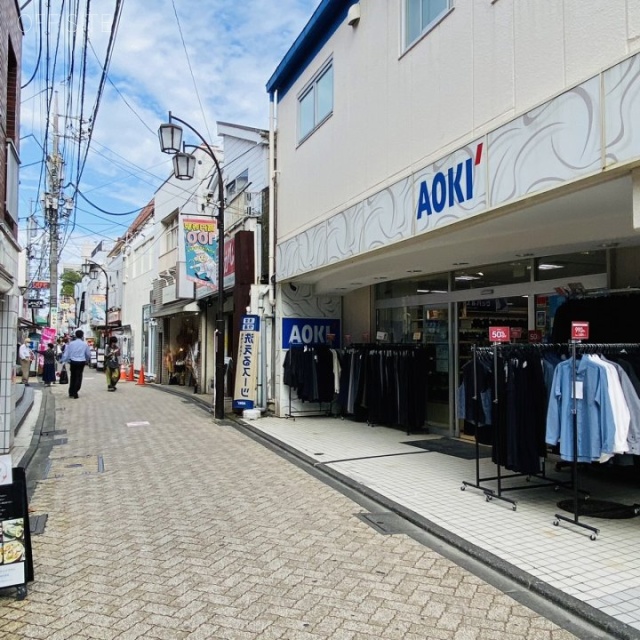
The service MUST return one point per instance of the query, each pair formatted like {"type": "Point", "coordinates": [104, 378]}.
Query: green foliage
{"type": "Point", "coordinates": [69, 279]}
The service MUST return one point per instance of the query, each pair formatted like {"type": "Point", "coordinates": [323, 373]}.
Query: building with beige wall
{"type": "Point", "coordinates": [447, 164]}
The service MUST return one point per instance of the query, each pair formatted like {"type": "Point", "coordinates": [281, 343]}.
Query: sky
{"type": "Point", "coordinates": [204, 61]}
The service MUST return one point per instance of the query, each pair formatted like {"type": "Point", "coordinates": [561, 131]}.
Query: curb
{"type": "Point", "coordinates": [576, 607]}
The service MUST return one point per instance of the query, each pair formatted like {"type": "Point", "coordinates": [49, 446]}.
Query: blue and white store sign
{"type": "Point", "coordinates": [247, 369]}
{"type": "Point", "coordinates": [452, 188]}
{"type": "Point", "coordinates": [310, 331]}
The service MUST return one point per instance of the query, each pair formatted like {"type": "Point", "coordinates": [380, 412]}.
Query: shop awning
{"type": "Point", "coordinates": [173, 308]}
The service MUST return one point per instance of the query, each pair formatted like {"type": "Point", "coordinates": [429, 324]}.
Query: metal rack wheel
{"type": "Point", "coordinates": [463, 487]}
{"type": "Point", "coordinates": [556, 523]}
{"type": "Point", "coordinates": [514, 507]}
{"type": "Point", "coordinates": [593, 536]}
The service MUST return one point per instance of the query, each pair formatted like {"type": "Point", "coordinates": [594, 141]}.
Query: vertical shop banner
{"type": "Point", "coordinates": [97, 309]}
{"type": "Point", "coordinates": [200, 246]}
{"type": "Point", "coordinates": [247, 369]}
{"type": "Point", "coordinates": [48, 335]}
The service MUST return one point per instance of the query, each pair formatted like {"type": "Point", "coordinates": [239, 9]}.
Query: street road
{"type": "Point", "coordinates": [195, 530]}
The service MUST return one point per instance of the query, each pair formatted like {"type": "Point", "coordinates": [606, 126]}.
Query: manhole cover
{"type": "Point", "coordinates": [601, 509]}
{"type": "Point", "coordinates": [74, 466]}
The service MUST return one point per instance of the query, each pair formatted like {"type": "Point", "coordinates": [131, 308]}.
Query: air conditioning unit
{"type": "Point", "coordinates": [248, 210]}
{"type": "Point", "coordinates": [248, 196]}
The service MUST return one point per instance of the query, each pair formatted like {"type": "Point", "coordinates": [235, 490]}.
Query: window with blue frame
{"type": "Point", "coordinates": [422, 15]}
{"type": "Point", "coordinates": [315, 103]}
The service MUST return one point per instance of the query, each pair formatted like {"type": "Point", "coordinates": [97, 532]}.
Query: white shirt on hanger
{"type": "Point", "coordinates": [619, 407]}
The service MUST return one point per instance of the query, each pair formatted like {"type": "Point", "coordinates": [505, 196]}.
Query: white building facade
{"type": "Point", "coordinates": [448, 165]}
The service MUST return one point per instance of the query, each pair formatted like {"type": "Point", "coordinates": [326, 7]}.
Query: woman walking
{"type": "Point", "coordinates": [112, 363]}
{"type": "Point", "coordinates": [49, 367]}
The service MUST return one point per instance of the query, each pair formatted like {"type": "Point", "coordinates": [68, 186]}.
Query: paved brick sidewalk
{"type": "Point", "coordinates": [194, 530]}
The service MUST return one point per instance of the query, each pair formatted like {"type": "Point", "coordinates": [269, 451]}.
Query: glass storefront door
{"type": "Point", "coordinates": [436, 339]}
{"type": "Point", "coordinates": [426, 325]}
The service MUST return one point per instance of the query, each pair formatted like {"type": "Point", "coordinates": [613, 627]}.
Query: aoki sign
{"type": "Point", "coordinates": [310, 331]}
{"type": "Point", "coordinates": [451, 189]}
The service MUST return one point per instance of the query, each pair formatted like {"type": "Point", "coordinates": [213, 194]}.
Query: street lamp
{"type": "Point", "coordinates": [184, 164]}
{"type": "Point", "coordinates": [90, 269]}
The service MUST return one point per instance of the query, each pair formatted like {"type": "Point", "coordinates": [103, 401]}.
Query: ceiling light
{"type": "Point", "coordinates": [414, 271]}
{"type": "Point", "coordinates": [545, 266]}
{"type": "Point", "coordinates": [381, 278]}
{"type": "Point", "coordinates": [355, 284]}
{"type": "Point", "coordinates": [423, 290]}
{"type": "Point", "coordinates": [461, 278]}
{"type": "Point", "coordinates": [480, 273]}
{"type": "Point", "coordinates": [458, 264]}
{"type": "Point", "coordinates": [524, 255]}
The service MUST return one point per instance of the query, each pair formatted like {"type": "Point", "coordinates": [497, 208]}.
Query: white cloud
{"type": "Point", "coordinates": [233, 48]}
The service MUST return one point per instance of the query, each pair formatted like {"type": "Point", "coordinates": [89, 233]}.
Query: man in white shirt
{"type": "Point", "coordinates": [26, 357]}
{"type": "Point", "coordinates": [78, 354]}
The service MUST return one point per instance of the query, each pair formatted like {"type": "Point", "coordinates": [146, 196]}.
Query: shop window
{"type": "Point", "coordinates": [421, 16]}
{"type": "Point", "coordinates": [492, 275]}
{"type": "Point", "coordinates": [432, 284]}
{"type": "Point", "coordinates": [571, 265]}
{"type": "Point", "coordinates": [171, 235]}
{"type": "Point", "coordinates": [315, 104]}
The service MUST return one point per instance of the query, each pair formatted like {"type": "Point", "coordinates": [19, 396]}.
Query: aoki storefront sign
{"type": "Point", "coordinates": [310, 331]}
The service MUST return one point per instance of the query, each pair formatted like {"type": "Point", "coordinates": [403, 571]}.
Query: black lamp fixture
{"type": "Point", "coordinates": [184, 164]}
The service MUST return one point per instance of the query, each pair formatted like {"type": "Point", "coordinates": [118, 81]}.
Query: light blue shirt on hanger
{"type": "Point", "coordinates": [595, 423]}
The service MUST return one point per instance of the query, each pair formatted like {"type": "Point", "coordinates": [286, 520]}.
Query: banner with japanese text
{"type": "Point", "coordinates": [247, 368]}
{"type": "Point", "coordinates": [200, 246]}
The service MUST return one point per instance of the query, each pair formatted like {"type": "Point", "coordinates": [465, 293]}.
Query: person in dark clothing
{"type": "Point", "coordinates": [49, 366]}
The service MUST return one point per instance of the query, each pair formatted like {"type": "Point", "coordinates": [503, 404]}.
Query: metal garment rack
{"type": "Point", "coordinates": [541, 478]}
{"type": "Point", "coordinates": [308, 413]}
{"type": "Point", "coordinates": [583, 348]}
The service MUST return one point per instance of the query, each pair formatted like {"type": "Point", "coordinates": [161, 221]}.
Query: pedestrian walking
{"type": "Point", "coordinates": [49, 366]}
{"type": "Point", "coordinates": [26, 358]}
{"type": "Point", "coordinates": [78, 354]}
{"type": "Point", "coordinates": [112, 363]}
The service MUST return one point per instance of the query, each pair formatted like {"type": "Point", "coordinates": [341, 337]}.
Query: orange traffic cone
{"type": "Point", "coordinates": [123, 373]}
{"type": "Point", "coordinates": [141, 375]}
{"type": "Point", "coordinates": [130, 377]}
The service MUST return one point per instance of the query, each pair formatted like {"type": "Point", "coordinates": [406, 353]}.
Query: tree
{"type": "Point", "coordinates": [69, 279]}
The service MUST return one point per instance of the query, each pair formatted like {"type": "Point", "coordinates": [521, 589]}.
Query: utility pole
{"type": "Point", "coordinates": [52, 201]}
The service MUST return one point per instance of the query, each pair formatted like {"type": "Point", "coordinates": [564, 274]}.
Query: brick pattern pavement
{"type": "Point", "coordinates": [195, 531]}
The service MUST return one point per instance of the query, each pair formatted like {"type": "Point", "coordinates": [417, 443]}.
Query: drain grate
{"type": "Point", "coordinates": [74, 466]}
{"type": "Point", "coordinates": [37, 524]}
{"type": "Point", "coordinates": [60, 441]}
{"type": "Point", "coordinates": [55, 432]}
{"type": "Point", "coordinates": [386, 523]}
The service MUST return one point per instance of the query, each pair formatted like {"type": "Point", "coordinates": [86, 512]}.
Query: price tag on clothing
{"type": "Point", "coordinates": [579, 390]}
{"type": "Point", "coordinates": [579, 330]}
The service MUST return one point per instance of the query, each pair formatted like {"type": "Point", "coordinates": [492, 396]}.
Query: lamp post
{"type": "Point", "coordinates": [170, 135]}
{"type": "Point", "coordinates": [90, 268]}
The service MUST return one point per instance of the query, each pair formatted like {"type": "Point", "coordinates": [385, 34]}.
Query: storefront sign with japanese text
{"type": "Point", "coordinates": [247, 368]}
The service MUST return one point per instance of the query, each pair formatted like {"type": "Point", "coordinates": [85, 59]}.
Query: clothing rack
{"type": "Point", "coordinates": [587, 348]}
{"type": "Point", "coordinates": [541, 477]}
{"type": "Point", "coordinates": [382, 348]}
{"type": "Point", "coordinates": [308, 413]}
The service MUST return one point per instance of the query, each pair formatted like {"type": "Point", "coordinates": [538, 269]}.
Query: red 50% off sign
{"type": "Point", "coordinates": [499, 334]}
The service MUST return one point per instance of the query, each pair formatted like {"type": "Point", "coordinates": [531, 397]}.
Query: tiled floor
{"type": "Point", "coordinates": [604, 573]}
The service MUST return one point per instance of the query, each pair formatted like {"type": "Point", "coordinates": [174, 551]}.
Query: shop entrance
{"type": "Point", "coordinates": [474, 319]}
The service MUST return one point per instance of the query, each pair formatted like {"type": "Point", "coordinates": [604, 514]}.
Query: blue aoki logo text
{"type": "Point", "coordinates": [447, 189]}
